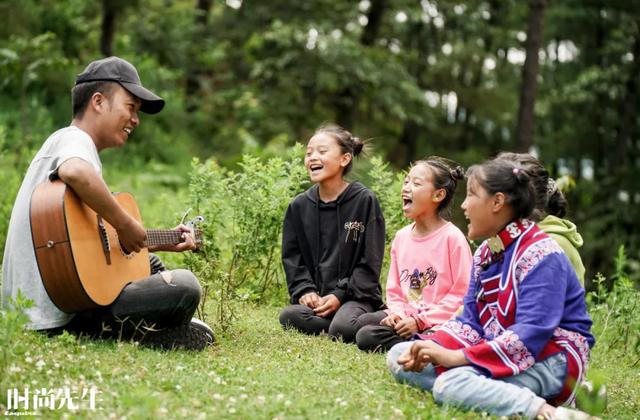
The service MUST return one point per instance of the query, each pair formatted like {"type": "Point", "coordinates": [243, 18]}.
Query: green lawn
{"type": "Point", "coordinates": [258, 371]}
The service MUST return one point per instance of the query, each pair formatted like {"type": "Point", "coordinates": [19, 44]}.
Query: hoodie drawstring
{"type": "Point", "coordinates": [339, 242]}
{"type": "Point", "coordinates": [317, 254]}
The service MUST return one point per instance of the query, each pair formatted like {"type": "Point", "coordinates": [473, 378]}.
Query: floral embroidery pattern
{"type": "Point", "coordinates": [533, 255]}
{"type": "Point", "coordinates": [477, 260]}
{"type": "Point", "coordinates": [577, 339]}
{"type": "Point", "coordinates": [461, 330]}
{"type": "Point", "coordinates": [492, 329]}
{"type": "Point", "coordinates": [515, 349]}
{"type": "Point", "coordinates": [513, 230]}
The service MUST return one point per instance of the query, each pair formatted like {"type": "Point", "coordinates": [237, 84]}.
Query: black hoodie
{"type": "Point", "coordinates": [336, 247]}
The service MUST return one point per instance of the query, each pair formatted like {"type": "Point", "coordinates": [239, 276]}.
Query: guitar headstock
{"type": "Point", "coordinates": [195, 232]}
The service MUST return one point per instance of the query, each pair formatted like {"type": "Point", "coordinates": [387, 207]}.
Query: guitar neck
{"type": "Point", "coordinates": [157, 237]}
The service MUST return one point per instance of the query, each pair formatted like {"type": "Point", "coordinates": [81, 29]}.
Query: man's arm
{"type": "Point", "coordinates": [92, 190]}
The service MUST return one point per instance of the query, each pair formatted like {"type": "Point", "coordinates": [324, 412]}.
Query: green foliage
{"type": "Point", "coordinates": [422, 77]}
{"type": "Point", "coordinates": [243, 213]}
{"type": "Point", "coordinates": [387, 184]}
{"type": "Point", "coordinates": [615, 312]}
{"type": "Point", "coordinates": [591, 397]}
{"type": "Point", "coordinates": [12, 321]}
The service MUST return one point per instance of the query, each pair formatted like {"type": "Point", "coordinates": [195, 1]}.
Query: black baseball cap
{"type": "Point", "coordinates": [116, 69]}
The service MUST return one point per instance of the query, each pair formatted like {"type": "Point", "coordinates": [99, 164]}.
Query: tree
{"type": "Point", "coordinates": [524, 130]}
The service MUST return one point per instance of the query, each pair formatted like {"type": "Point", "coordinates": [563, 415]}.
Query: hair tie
{"type": "Point", "coordinates": [516, 171]}
{"type": "Point", "coordinates": [552, 187]}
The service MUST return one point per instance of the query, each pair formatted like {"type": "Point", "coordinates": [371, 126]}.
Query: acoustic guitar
{"type": "Point", "coordinates": [81, 261]}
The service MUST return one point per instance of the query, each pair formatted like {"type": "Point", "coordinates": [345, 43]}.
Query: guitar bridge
{"type": "Point", "coordinates": [104, 239]}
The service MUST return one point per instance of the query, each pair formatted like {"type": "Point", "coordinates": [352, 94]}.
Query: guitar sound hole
{"type": "Point", "coordinates": [126, 252]}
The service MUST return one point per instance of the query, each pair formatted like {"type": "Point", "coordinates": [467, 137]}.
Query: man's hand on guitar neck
{"type": "Point", "coordinates": [92, 190]}
{"type": "Point", "coordinates": [188, 244]}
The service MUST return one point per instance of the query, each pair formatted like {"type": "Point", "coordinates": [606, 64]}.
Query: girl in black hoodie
{"type": "Point", "coordinates": [332, 242]}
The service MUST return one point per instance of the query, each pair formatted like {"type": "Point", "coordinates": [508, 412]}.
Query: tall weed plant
{"type": "Point", "coordinates": [243, 212]}
{"type": "Point", "coordinates": [616, 312]}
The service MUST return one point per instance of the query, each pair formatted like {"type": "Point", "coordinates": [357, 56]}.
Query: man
{"type": "Point", "coordinates": [158, 310]}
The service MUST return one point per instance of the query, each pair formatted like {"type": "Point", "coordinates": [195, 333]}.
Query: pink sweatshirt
{"type": "Point", "coordinates": [428, 276]}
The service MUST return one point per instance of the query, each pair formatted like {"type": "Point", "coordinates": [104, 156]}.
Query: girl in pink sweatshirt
{"type": "Point", "coordinates": [430, 261]}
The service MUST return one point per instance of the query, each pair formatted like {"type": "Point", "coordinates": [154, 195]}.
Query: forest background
{"type": "Point", "coordinates": [463, 80]}
{"type": "Point", "coordinates": [245, 81]}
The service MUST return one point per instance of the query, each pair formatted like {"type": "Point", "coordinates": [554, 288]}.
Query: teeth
{"type": "Point", "coordinates": [127, 130]}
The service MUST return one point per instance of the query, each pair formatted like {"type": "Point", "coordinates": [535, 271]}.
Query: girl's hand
{"type": "Point", "coordinates": [391, 320]}
{"type": "Point", "coordinates": [416, 358]}
{"type": "Point", "coordinates": [311, 300]}
{"type": "Point", "coordinates": [428, 351]}
{"type": "Point", "coordinates": [328, 305]}
{"type": "Point", "coordinates": [439, 355]}
{"type": "Point", "coordinates": [409, 360]}
{"type": "Point", "coordinates": [406, 327]}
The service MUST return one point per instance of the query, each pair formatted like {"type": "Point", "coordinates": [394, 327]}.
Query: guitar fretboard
{"type": "Point", "coordinates": [163, 237]}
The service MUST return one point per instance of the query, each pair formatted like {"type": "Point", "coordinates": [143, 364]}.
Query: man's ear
{"type": "Point", "coordinates": [498, 202]}
{"type": "Point", "coordinates": [98, 101]}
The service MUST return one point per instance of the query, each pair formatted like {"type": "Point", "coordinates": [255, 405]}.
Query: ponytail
{"type": "Point", "coordinates": [556, 202]}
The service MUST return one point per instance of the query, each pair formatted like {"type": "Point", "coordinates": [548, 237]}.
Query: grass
{"type": "Point", "coordinates": [258, 371]}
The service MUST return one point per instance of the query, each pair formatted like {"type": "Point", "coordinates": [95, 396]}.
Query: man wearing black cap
{"type": "Point", "coordinates": [106, 100]}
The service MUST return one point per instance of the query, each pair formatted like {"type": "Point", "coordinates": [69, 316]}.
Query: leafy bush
{"type": "Point", "coordinates": [243, 211]}
{"type": "Point", "coordinates": [615, 312]}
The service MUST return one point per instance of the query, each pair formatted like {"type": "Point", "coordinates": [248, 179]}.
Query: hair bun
{"type": "Point", "coordinates": [457, 173]}
{"type": "Point", "coordinates": [357, 145]}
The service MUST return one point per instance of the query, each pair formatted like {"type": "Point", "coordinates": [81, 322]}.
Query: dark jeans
{"type": "Point", "coordinates": [375, 337]}
{"type": "Point", "coordinates": [343, 324]}
{"type": "Point", "coordinates": [149, 304]}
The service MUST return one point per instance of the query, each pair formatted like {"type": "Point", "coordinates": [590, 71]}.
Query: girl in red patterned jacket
{"type": "Point", "coordinates": [522, 343]}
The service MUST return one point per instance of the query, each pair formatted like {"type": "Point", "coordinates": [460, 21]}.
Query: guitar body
{"type": "Point", "coordinates": [81, 269]}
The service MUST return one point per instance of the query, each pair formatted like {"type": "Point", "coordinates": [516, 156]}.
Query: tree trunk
{"type": "Point", "coordinates": [469, 130]}
{"type": "Point", "coordinates": [407, 147]}
{"type": "Point", "coordinates": [108, 27]}
{"type": "Point", "coordinates": [346, 101]}
{"type": "Point", "coordinates": [524, 130]}
{"type": "Point", "coordinates": [628, 112]}
{"type": "Point", "coordinates": [374, 20]}
{"type": "Point", "coordinates": [195, 72]}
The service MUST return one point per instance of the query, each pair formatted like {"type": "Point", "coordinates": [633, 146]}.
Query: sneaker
{"type": "Point", "coordinates": [196, 335]}
{"type": "Point", "coordinates": [564, 413]}
{"type": "Point", "coordinates": [204, 329]}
